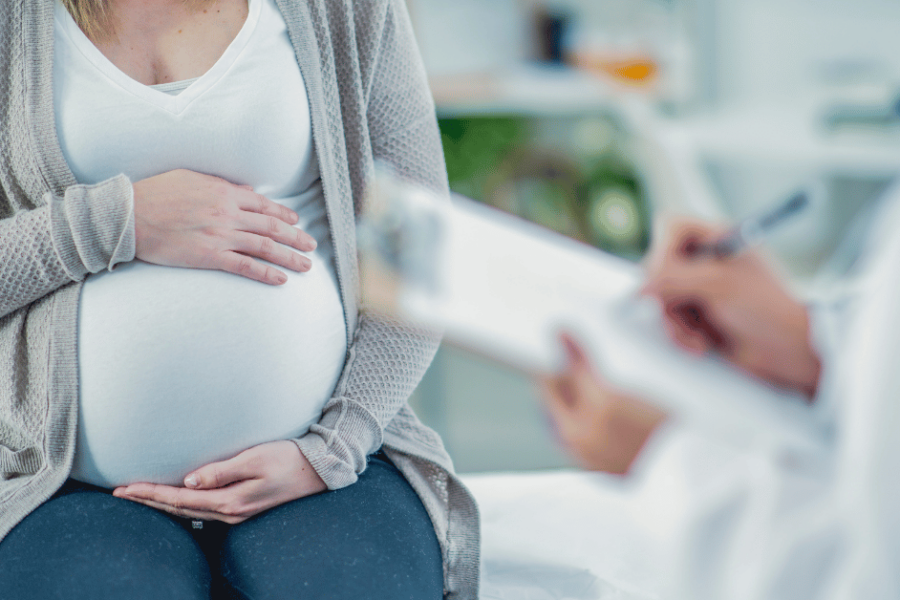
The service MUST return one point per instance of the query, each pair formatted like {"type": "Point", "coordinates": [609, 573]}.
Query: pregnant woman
{"type": "Point", "coordinates": [192, 401]}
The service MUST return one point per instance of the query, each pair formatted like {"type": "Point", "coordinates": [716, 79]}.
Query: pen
{"type": "Point", "coordinates": [753, 230]}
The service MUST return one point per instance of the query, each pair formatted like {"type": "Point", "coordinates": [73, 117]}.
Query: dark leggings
{"type": "Point", "coordinates": [370, 540]}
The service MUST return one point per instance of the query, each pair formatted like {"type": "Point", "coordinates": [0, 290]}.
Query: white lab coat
{"type": "Point", "coordinates": [771, 523]}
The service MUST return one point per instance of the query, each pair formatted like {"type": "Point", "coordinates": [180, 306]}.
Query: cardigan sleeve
{"type": "Point", "coordinates": [89, 229]}
{"type": "Point", "coordinates": [387, 357]}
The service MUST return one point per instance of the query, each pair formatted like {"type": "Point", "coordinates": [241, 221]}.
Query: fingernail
{"type": "Point", "coordinates": [280, 279]}
{"type": "Point", "coordinates": [192, 480]}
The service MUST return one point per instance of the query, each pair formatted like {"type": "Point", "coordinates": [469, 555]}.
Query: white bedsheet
{"type": "Point", "coordinates": [567, 535]}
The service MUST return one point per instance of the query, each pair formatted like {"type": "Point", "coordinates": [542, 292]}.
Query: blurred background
{"type": "Point", "coordinates": [592, 116]}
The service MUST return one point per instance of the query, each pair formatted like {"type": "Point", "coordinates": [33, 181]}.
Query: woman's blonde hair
{"type": "Point", "coordinates": [95, 17]}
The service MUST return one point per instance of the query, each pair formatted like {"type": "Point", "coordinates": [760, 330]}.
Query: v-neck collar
{"type": "Point", "coordinates": [155, 97]}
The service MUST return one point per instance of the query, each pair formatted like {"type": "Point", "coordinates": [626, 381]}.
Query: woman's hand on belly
{"type": "Point", "coordinates": [188, 219]}
{"type": "Point", "coordinates": [234, 490]}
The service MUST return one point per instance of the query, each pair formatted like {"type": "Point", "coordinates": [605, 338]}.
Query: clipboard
{"type": "Point", "coordinates": [505, 288]}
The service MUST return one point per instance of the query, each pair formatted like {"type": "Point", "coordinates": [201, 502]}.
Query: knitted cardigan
{"type": "Point", "coordinates": [369, 101]}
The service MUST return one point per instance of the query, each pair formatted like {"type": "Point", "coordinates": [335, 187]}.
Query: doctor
{"type": "Point", "coordinates": [777, 525]}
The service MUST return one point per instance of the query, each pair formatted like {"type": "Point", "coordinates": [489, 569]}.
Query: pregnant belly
{"type": "Point", "coordinates": [182, 367]}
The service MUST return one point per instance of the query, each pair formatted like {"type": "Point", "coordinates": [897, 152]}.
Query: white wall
{"type": "Point", "coordinates": [470, 36]}
{"type": "Point", "coordinates": [773, 49]}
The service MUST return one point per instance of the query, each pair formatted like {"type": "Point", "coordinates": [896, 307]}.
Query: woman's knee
{"type": "Point", "coordinates": [92, 545]}
{"type": "Point", "coordinates": [373, 539]}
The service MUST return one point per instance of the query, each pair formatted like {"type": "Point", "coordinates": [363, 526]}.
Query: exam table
{"type": "Point", "coordinates": [565, 535]}
{"type": "Point", "coordinates": [573, 535]}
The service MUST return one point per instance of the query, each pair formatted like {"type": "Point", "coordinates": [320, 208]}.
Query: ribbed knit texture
{"type": "Point", "coordinates": [369, 100]}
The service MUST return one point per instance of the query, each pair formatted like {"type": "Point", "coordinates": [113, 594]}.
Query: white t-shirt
{"type": "Point", "coordinates": [182, 367]}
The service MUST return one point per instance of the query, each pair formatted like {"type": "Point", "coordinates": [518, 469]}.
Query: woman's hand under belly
{"type": "Point", "coordinates": [181, 367]}
{"type": "Point", "coordinates": [234, 490]}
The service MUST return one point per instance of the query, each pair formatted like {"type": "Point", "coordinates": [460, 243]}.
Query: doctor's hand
{"type": "Point", "coordinates": [234, 490]}
{"type": "Point", "coordinates": [602, 428]}
{"type": "Point", "coordinates": [734, 306]}
{"type": "Point", "coordinates": [188, 219]}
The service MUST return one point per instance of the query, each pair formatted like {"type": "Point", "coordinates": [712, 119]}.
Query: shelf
{"type": "Point", "coordinates": [528, 90]}
{"type": "Point", "coordinates": [791, 135]}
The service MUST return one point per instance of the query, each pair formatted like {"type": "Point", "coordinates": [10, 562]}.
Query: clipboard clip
{"type": "Point", "coordinates": [402, 229]}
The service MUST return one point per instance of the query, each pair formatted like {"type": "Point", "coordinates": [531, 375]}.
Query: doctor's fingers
{"type": "Point", "coordinates": [694, 300]}
{"type": "Point", "coordinates": [580, 382]}
{"type": "Point", "coordinates": [573, 394]}
{"type": "Point", "coordinates": [561, 410]}
{"type": "Point", "coordinates": [678, 240]}
{"type": "Point", "coordinates": [690, 327]}
{"type": "Point", "coordinates": [700, 290]}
